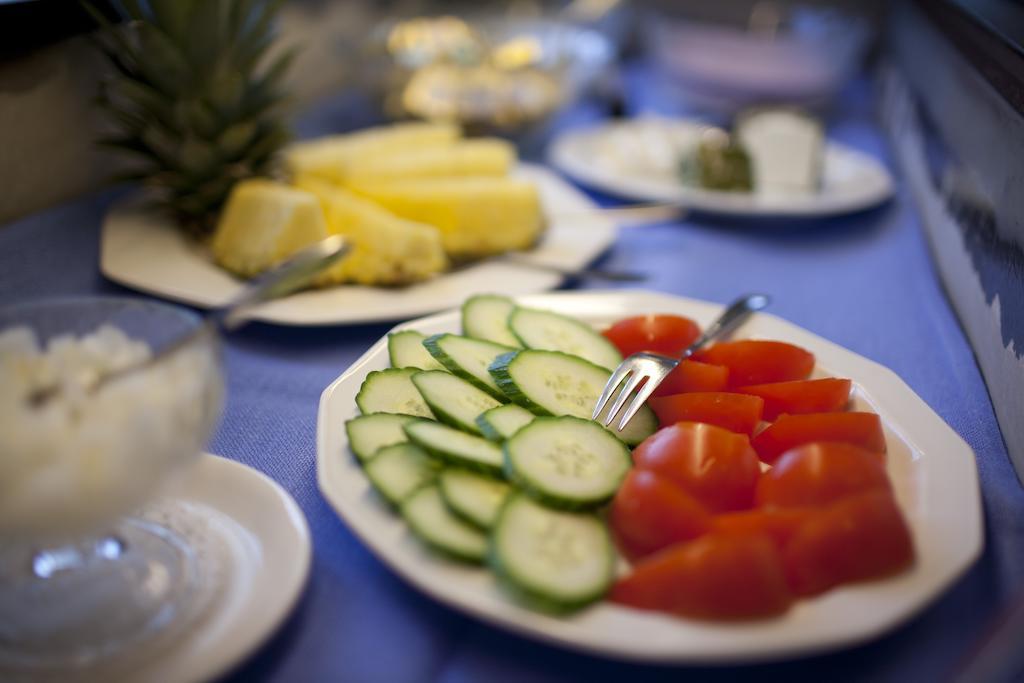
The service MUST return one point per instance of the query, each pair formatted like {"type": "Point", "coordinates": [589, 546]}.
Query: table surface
{"type": "Point", "coordinates": [864, 281]}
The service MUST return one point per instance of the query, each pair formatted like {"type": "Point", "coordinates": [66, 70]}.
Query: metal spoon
{"type": "Point", "coordinates": [290, 276]}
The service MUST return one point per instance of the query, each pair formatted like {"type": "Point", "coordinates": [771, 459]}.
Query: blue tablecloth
{"type": "Point", "coordinates": [863, 281]}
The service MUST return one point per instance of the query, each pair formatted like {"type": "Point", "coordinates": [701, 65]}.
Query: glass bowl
{"type": "Point", "coordinates": [490, 75]}
{"type": "Point", "coordinates": [779, 54]}
{"type": "Point", "coordinates": [84, 573]}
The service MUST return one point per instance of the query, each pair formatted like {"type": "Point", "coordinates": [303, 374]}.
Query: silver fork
{"type": "Point", "coordinates": [643, 372]}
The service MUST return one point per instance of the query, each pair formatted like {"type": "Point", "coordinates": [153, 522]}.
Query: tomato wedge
{"type": "Point", "coordinates": [778, 524]}
{"type": "Point", "coordinates": [857, 539]}
{"type": "Point", "coordinates": [789, 431]}
{"type": "Point", "coordinates": [665, 334]}
{"type": "Point", "coordinates": [714, 465]}
{"type": "Point", "coordinates": [736, 412]}
{"type": "Point", "coordinates": [759, 362]}
{"type": "Point", "coordinates": [818, 474]}
{"type": "Point", "coordinates": [717, 576]}
{"type": "Point", "coordinates": [650, 513]}
{"type": "Point", "coordinates": [801, 396]}
{"type": "Point", "coordinates": [693, 376]}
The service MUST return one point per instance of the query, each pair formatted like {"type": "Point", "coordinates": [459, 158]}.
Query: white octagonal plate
{"type": "Point", "coordinates": [932, 469]}
{"type": "Point", "coordinates": [143, 251]}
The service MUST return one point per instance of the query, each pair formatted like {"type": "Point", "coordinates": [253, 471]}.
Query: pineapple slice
{"type": "Point", "coordinates": [477, 216]}
{"type": "Point", "coordinates": [263, 223]}
{"type": "Point", "coordinates": [329, 157]}
{"type": "Point", "coordinates": [479, 157]}
{"type": "Point", "coordinates": [386, 250]}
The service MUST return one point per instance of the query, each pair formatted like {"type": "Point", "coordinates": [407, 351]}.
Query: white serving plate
{"type": "Point", "coordinates": [266, 540]}
{"type": "Point", "coordinates": [852, 180]}
{"type": "Point", "coordinates": [932, 470]}
{"type": "Point", "coordinates": [144, 251]}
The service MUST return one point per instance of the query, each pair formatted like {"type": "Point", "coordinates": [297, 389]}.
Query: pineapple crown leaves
{"type": "Point", "coordinates": [194, 97]}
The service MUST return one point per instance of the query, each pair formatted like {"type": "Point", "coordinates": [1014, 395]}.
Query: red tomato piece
{"type": "Point", "coordinates": [736, 412]}
{"type": "Point", "coordinates": [714, 465]}
{"type": "Point", "coordinates": [801, 396]}
{"type": "Point", "coordinates": [691, 375]}
{"type": "Point", "coordinates": [650, 513]}
{"type": "Point", "coordinates": [717, 576]}
{"type": "Point", "coordinates": [819, 474]}
{"type": "Point", "coordinates": [856, 539]}
{"type": "Point", "coordinates": [790, 431]}
{"type": "Point", "coordinates": [777, 524]}
{"type": "Point", "coordinates": [759, 362]}
{"type": "Point", "coordinates": [665, 334]}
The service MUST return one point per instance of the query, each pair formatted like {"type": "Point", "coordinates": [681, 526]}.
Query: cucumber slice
{"type": "Point", "coordinates": [398, 470]}
{"type": "Point", "coordinates": [435, 524]}
{"type": "Point", "coordinates": [553, 332]}
{"type": "Point", "coordinates": [392, 391]}
{"type": "Point", "coordinates": [369, 433]}
{"type": "Point", "coordinates": [498, 424]}
{"type": "Point", "coordinates": [455, 447]}
{"type": "Point", "coordinates": [455, 401]}
{"type": "Point", "coordinates": [405, 349]}
{"type": "Point", "coordinates": [485, 316]}
{"type": "Point", "coordinates": [553, 383]}
{"type": "Point", "coordinates": [468, 358]}
{"type": "Point", "coordinates": [557, 560]}
{"type": "Point", "coordinates": [567, 462]}
{"type": "Point", "coordinates": [473, 497]}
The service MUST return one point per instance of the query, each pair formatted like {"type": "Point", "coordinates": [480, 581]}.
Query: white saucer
{"type": "Point", "coordinates": [268, 550]}
{"type": "Point", "coordinates": [637, 160]}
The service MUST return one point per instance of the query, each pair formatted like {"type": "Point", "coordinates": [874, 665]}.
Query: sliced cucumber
{"type": "Point", "coordinates": [498, 424]}
{"type": "Point", "coordinates": [455, 401]}
{"type": "Point", "coordinates": [405, 349]}
{"type": "Point", "coordinates": [369, 433]}
{"type": "Point", "coordinates": [455, 447]}
{"type": "Point", "coordinates": [553, 332]}
{"type": "Point", "coordinates": [557, 560]}
{"type": "Point", "coordinates": [435, 524]}
{"type": "Point", "coordinates": [553, 383]}
{"type": "Point", "coordinates": [392, 391]}
{"type": "Point", "coordinates": [485, 316]}
{"type": "Point", "coordinates": [474, 497]}
{"type": "Point", "coordinates": [468, 358]}
{"type": "Point", "coordinates": [399, 469]}
{"type": "Point", "coordinates": [567, 462]}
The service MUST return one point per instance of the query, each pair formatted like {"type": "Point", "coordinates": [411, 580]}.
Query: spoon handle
{"type": "Point", "coordinates": [295, 273]}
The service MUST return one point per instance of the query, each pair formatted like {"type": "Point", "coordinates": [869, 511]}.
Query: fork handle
{"type": "Point", "coordinates": [736, 313]}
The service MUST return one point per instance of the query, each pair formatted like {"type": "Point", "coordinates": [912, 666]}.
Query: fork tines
{"type": "Point", "coordinates": [636, 377]}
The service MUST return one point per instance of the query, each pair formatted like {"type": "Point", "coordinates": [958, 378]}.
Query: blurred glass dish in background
{"type": "Point", "coordinates": [796, 55]}
{"type": "Point", "coordinates": [496, 74]}
{"type": "Point", "coordinates": [81, 583]}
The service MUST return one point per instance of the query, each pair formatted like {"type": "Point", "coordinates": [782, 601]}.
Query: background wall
{"type": "Point", "coordinates": [960, 144]}
{"type": "Point", "coordinates": [47, 123]}
{"type": "Point", "coordinates": [46, 128]}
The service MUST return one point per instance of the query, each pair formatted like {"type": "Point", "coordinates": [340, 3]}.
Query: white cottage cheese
{"type": "Point", "coordinates": [82, 459]}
